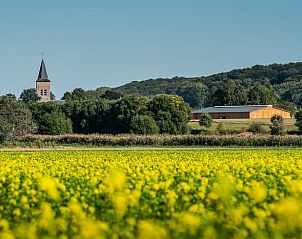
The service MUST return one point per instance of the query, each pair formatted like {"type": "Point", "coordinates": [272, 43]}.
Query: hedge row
{"type": "Point", "coordinates": [161, 140]}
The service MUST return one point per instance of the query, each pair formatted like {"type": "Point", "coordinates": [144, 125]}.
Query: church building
{"type": "Point", "coordinates": [43, 84]}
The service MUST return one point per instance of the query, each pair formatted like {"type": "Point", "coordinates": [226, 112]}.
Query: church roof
{"type": "Point", "coordinates": [43, 77]}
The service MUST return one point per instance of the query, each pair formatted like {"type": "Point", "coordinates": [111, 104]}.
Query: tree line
{"type": "Point", "coordinates": [160, 114]}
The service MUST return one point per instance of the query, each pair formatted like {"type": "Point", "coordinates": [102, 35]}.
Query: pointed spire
{"type": "Point", "coordinates": [43, 73]}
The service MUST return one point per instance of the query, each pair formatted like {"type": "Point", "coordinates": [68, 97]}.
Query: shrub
{"type": "Point", "coordinates": [221, 128]}
{"type": "Point", "coordinates": [162, 140]}
{"type": "Point", "coordinates": [298, 117]}
{"type": "Point", "coordinates": [256, 128]}
{"type": "Point", "coordinates": [277, 126]}
{"type": "Point", "coordinates": [206, 120]}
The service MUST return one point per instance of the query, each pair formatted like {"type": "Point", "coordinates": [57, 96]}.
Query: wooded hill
{"type": "Point", "coordinates": [279, 84]}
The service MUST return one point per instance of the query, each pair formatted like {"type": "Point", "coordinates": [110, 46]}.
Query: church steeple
{"type": "Point", "coordinates": [43, 84]}
{"type": "Point", "coordinates": [43, 73]}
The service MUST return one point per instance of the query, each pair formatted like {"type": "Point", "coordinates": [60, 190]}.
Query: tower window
{"type": "Point", "coordinates": [45, 92]}
{"type": "Point", "coordinates": [41, 92]}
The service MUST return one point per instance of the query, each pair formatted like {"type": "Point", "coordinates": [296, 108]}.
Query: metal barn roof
{"type": "Point", "coordinates": [231, 109]}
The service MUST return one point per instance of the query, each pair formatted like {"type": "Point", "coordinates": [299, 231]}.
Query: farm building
{"type": "Point", "coordinates": [241, 112]}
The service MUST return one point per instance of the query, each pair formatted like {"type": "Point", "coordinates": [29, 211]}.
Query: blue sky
{"type": "Point", "coordinates": [96, 43]}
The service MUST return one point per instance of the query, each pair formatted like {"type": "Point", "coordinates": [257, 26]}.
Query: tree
{"type": "Point", "coordinates": [259, 95]}
{"type": "Point", "coordinates": [29, 96]}
{"type": "Point", "coordinates": [77, 94]}
{"type": "Point", "coordinates": [111, 95]}
{"type": "Point", "coordinates": [89, 116]}
{"type": "Point", "coordinates": [277, 126]}
{"type": "Point", "coordinates": [205, 120]}
{"type": "Point", "coordinates": [171, 113]}
{"type": "Point", "coordinates": [15, 118]}
{"type": "Point", "coordinates": [123, 110]}
{"type": "Point", "coordinates": [218, 97]}
{"type": "Point", "coordinates": [55, 123]}
{"type": "Point", "coordinates": [234, 94]}
{"type": "Point", "coordinates": [298, 117]}
{"type": "Point", "coordinates": [143, 124]}
{"type": "Point", "coordinates": [194, 94]}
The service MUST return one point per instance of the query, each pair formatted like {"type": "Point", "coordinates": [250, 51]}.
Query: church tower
{"type": "Point", "coordinates": [43, 84]}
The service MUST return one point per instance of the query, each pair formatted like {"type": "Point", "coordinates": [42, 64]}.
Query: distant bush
{"type": "Point", "coordinates": [298, 117]}
{"type": "Point", "coordinates": [221, 128]}
{"type": "Point", "coordinates": [161, 140]}
{"type": "Point", "coordinates": [256, 128]}
{"type": "Point", "coordinates": [198, 131]}
{"type": "Point", "coordinates": [277, 126]}
{"type": "Point", "coordinates": [206, 120]}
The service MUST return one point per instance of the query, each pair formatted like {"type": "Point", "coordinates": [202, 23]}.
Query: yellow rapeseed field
{"type": "Point", "coordinates": [151, 194]}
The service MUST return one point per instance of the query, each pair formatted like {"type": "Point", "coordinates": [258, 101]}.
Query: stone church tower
{"type": "Point", "coordinates": [43, 84]}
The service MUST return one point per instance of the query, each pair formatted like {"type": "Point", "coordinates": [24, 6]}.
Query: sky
{"type": "Point", "coordinates": [94, 43]}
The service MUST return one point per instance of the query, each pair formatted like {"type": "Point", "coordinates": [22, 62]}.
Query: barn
{"type": "Point", "coordinates": [241, 112]}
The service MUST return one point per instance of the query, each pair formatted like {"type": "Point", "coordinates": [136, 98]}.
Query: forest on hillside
{"type": "Point", "coordinates": [278, 84]}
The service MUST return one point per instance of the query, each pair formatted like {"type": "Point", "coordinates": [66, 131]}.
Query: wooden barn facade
{"type": "Point", "coordinates": [242, 112]}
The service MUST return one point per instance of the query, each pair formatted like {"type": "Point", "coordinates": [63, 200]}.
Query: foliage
{"type": "Point", "coordinates": [80, 94]}
{"type": "Point", "coordinates": [171, 113]}
{"type": "Point", "coordinates": [172, 194]}
{"type": "Point", "coordinates": [194, 94]}
{"type": "Point", "coordinates": [256, 128]}
{"type": "Point", "coordinates": [161, 140]}
{"type": "Point", "coordinates": [111, 95]}
{"type": "Point", "coordinates": [269, 84]}
{"type": "Point", "coordinates": [29, 96]}
{"type": "Point", "coordinates": [206, 120]}
{"type": "Point", "coordinates": [221, 128]}
{"type": "Point", "coordinates": [234, 94]}
{"type": "Point", "coordinates": [15, 118]}
{"type": "Point", "coordinates": [277, 126]}
{"type": "Point", "coordinates": [143, 124]}
{"type": "Point", "coordinates": [298, 117]}
{"type": "Point", "coordinates": [55, 123]}
{"type": "Point", "coordinates": [77, 94]}
{"type": "Point", "coordinates": [89, 116]}
{"type": "Point", "coordinates": [123, 111]}
{"type": "Point", "coordinates": [130, 114]}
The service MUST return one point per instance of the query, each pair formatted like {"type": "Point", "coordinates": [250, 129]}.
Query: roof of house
{"type": "Point", "coordinates": [43, 77]}
{"type": "Point", "coordinates": [231, 109]}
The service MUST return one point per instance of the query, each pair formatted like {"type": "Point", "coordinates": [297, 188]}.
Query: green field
{"type": "Point", "coordinates": [151, 194]}
{"type": "Point", "coordinates": [242, 125]}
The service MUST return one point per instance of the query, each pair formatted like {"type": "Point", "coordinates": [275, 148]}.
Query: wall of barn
{"type": "Point", "coordinates": [268, 112]}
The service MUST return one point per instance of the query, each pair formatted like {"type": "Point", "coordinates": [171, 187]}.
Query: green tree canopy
{"type": "Point", "coordinates": [15, 118]}
{"type": "Point", "coordinates": [55, 123]}
{"type": "Point", "coordinates": [143, 124]}
{"type": "Point", "coordinates": [298, 117]}
{"type": "Point", "coordinates": [171, 113]}
{"type": "Point", "coordinates": [29, 96]}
